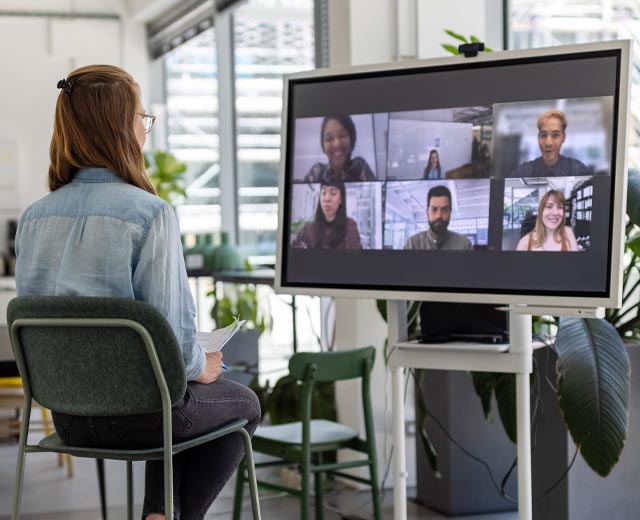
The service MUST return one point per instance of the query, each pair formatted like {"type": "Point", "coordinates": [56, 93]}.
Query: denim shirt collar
{"type": "Point", "coordinates": [95, 175]}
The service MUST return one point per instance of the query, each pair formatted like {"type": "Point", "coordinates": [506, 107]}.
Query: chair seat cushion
{"type": "Point", "coordinates": [54, 443]}
{"type": "Point", "coordinates": [322, 432]}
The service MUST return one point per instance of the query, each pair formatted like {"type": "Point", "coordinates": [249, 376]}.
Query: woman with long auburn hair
{"type": "Point", "coordinates": [550, 232]}
{"type": "Point", "coordinates": [102, 231]}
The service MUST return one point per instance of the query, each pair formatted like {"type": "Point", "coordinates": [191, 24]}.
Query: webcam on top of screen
{"type": "Point", "coordinates": [471, 50]}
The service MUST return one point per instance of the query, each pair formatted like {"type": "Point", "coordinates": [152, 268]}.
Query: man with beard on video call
{"type": "Point", "coordinates": [438, 235]}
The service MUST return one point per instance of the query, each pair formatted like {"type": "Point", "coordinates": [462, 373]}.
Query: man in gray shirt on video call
{"type": "Point", "coordinates": [438, 235]}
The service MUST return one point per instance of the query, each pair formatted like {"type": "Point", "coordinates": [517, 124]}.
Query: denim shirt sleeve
{"type": "Point", "coordinates": [160, 278]}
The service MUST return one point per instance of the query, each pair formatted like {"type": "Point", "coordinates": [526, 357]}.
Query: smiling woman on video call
{"type": "Point", "coordinates": [550, 232]}
{"type": "Point", "coordinates": [338, 139]}
{"type": "Point", "coordinates": [103, 231]}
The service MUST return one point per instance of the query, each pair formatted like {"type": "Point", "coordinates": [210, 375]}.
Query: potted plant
{"type": "Point", "coordinates": [167, 175]}
{"type": "Point", "coordinates": [242, 301]}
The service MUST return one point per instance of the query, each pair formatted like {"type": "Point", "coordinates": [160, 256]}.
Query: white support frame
{"type": "Point", "coordinates": [227, 124]}
{"type": "Point", "coordinates": [518, 360]}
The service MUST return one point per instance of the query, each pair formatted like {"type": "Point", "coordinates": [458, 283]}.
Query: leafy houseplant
{"type": "Point", "coordinates": [167, 175]}
{"type": "Point", "coordinates": [241, 300]}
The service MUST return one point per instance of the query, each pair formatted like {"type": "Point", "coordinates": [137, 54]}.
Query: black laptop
{"type": "Point", "coordinates": [456, 322]}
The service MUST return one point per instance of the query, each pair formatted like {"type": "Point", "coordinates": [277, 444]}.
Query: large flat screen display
{"type": "Point", "coordinates": [497, 179]}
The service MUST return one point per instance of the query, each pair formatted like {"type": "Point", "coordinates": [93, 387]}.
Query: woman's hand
{"type": "Point", "coordinates": [212, 368]}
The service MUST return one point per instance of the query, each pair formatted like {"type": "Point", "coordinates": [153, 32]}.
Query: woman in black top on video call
{"type": "Point", "coordinates": [331, 228]}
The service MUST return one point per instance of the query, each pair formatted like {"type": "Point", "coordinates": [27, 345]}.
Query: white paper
{"type": "Point", "coordinates": [215, 340]}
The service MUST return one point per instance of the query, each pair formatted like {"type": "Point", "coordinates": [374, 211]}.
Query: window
{"type": "Point", "coordinates": [543, 23]}
{"type": "Point", "coordinates": [271, 38]}
{"type": "Point", "coordinates": [191, 86]}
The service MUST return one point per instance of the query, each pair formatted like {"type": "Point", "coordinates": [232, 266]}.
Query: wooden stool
{"type": "Point", "coordinates": [12, 398]}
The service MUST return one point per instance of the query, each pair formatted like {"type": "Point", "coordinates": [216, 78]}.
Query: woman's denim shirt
{"type": "Point", "coordinates": [100, 236]}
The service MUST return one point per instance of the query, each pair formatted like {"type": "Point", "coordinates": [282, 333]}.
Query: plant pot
{"type": "Point", "coordinates": [464, 487]}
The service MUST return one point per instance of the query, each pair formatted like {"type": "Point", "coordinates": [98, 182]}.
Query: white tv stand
{"type": "Point", "coordinates": [518, 360]}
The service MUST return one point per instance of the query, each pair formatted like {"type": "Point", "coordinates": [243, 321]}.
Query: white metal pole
{"type": "Point", "coordinates": [520, 339]}
{"type": "Point", "coordinates": [399, 448]}
{"type": "Point", "coordinates": [397, 323]}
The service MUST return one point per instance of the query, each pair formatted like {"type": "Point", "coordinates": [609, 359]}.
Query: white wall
{"type": "Point", "coordinates": [38, 51]}
{"type": "Point", "coordinates": [480, 18]}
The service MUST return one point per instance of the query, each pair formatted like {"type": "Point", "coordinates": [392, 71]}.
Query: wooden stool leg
{"type": "Point", "coordinates": [63, 458]}
{"type": "Point", "coordinates": [46, 426]}
{"type": "Point", "coordinates": [69, 461]}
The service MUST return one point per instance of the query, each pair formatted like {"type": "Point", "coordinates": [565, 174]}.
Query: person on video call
{"type": "Point", "coordinates": [331, 228]}
{"type": "Point", "coordinates": [433, 170]}
{"type": "Point", "coordinates": [550, 232]}
{"type": "Point", "coordinates": [552, 127]}
{"type": "Point", "coordinates": [338, 139]}
{"type": "Point", "coordinates": [438, 235]}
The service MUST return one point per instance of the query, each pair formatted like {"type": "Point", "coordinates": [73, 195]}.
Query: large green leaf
{"type": "Point", "coordinates": [594, 387]}
{"type": "Point", "coordinates": [422, 417]}
{"type": "Point", "coordinates": [507, 406]}
{"type": "Point", "coordinates": [633, 196]}
{"type": "Point", "coordinates": [484, 384]}
{"type": "Point", "coordinates": [503, 386]}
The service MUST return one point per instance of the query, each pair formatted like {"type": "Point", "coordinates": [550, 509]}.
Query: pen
{"type": "Point", "coordinates": [225, 367]}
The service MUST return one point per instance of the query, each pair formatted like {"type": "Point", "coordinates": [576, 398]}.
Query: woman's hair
{"type": "Point", "coordinates": [438, 167]}
{"type": "Point", "coordinates": [337, 227]}
{"type": "Point", "coordinates": [94, 127]}
{"type": "Point", "coordinates": [540, 232]}
{"type": "Point", "coordinates": [346, 122]}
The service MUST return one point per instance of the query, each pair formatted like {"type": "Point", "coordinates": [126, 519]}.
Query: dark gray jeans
{"type": "Point", "coordinates": [200, 473]}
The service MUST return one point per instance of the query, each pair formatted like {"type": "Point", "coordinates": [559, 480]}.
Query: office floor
{"type": "Point", "coordinates": [50, 495]}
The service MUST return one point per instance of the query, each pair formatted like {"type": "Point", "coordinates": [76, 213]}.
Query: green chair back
{"type": "Point", "coordinates": [101, 371]}
{"type": "Point", "coordinates": [333, 366]}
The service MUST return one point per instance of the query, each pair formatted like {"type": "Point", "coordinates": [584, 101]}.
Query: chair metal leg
{"type": "Point", "coordinates": [101, 488]}
{"type": "Point", "coordinates": [319, 491]}
{"type": "Point", "coordinates": [168, 478]}
{"type": "Point", "coordinates": [129, 490]}
{"type": "Point", "coordinates": [305, 489]}
{"type": "Point", "coordinates": [375, 483]}
{"type": "Point", "coordinates": [24, 431]}
{"type": "Point", "coordinates": [237, 497]}
{"type": "Point", "coordinates": [17, 492]}
{"type": "Point", "coordinates": [251, 474]}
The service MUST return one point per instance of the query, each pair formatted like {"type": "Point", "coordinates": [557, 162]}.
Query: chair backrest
{"type": "Point", "coordinates": [87, 355]}
{"type": "Point", "coordinates": [333, 366]}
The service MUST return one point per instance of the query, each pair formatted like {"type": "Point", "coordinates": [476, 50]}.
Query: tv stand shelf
{"type": "Point", "coordinates": [479, 357]}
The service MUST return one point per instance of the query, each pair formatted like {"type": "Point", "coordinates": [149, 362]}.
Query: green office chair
{"type": "Point", "coordinates": [304, 443]}
{"type": "Point", "coordinates": [103, 357]}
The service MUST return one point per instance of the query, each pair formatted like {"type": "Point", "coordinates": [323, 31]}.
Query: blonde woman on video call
{"type": "Point", "coordinates": [550, 232]}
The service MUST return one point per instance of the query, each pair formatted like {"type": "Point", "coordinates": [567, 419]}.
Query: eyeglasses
{"type": "Point", "coordinates": [147, 121]}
